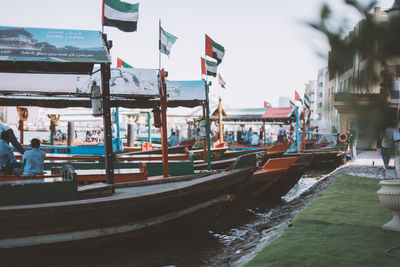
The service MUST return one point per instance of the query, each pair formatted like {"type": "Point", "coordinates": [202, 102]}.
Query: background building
{"type": "Point", "coordinates": [284, 102]}
{"type": "Point", "coordinates": [355, 80]}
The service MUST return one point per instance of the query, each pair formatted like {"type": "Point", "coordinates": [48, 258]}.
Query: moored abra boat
{"type": "Point", "coordinates": [136, 208]}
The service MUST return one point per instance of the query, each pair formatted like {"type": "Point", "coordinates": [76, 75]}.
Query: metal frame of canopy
{"type": "Point", "coordinates": [291, 116]}
{"type": "Point", "coordinates": [47, 65]}
{"type": "Point", "coordinates": [31, 63]}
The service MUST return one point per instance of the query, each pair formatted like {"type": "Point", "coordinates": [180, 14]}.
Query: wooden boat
{"type": "Point", "coordinates": [264, 178]}
{"type": "Point", "coordinates": [135, 208]}
{"type": "Point", "coordinates": [236, 147]}
{"type": "Point", "coordinates": [120, 157]}
{"type": "Point", "coordinates": [228, 158]}
{"type": "Point", "coordinates": [322, 158]}
{"type": "Point", "coordinates": [198, 154]}
{"type": "Point", "coordinates": [287, 180]}
{"type": "Point", "coordinates": [90, 149]}
{"type": "Point", "coordinates": [171, 150]}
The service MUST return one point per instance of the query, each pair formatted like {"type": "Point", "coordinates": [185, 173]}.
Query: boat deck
{"type": "Point", "coordinates": [135, 190]}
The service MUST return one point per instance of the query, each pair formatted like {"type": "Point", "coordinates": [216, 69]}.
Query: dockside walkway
{"type": "Point", "coordinates": [341, 224]}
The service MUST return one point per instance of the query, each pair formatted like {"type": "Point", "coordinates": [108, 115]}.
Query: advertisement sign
{"type": "Point", "coordinates": [52, 45]}
{"type": "Point", "coordinates": [38, 83]}
{"type": "Point", "coordinates": [186, 90]}
{"type": "Point", "coordinates": [124, 81]}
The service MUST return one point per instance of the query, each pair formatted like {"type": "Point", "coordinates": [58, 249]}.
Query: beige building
{"type": "Point", "coordinates": [354, 79]}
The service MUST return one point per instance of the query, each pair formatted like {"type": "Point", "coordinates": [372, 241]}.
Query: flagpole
{"type": "Point", "coordinates": [102, 18]}
{"type": "Point", "coordinates": [207, 118]}
{"type": "Point", "coordinates": [297, 129]}
{"type": "Point", "coordinates": [159, 44]}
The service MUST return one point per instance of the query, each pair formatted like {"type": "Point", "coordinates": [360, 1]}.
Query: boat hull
{"type": "Point", "coordinates": [130, 210]}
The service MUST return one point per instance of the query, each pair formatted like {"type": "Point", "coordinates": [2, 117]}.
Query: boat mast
{"type": "Point", "coordinates": [164, 138]}
{"type": "Point", "coordinates": [221, 136]}
{"type": "Point", "coordinates": [297, 128]}
{"type": "Point", "coordinates": [208, 127]}
{"type": "Point", "coordinates": [108, 148]}
{"type": "Point", "coordinates": [304, 128]}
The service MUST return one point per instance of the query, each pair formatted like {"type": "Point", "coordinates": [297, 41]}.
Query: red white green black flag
{"type": "Point", "coordinates": [221, 81]}
{"type": "Point", "coordinates": [121, 15]}
{"type": "Point", "coordinates": [122, 64]}
{"type": "Point", "coordinates": [214, 50]}
{"type": "Point", "coordinates": [208, 68]}
{"type": "Point", "coordinates": [166, 41]}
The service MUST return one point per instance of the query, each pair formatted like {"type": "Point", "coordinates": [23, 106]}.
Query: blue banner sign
{"type": "Point", "coordinates": [52, 45]}
{"type": "Point", "coordinates": [186, 90]}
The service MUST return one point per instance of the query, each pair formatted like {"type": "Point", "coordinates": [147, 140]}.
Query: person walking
{"type": "Point", "coordinates": [396, 139]}
{"type": "Point", "coordinates": [353, 139]}
{"type": "Point", "coordinates": [387, 146]}
{"type": "Point", "coordinates": [249, 133]}
{"type": "Point", "coordinates": [281, 134]}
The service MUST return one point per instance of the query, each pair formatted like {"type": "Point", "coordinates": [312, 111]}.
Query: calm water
{"type": "Point", "coordinates": [233, 236]}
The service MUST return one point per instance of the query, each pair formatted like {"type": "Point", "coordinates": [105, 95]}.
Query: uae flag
{"type": "Point", "coordinates": [214, 50]}
{"type": "Point", "coordinates": [208, 67]}
{"type": "Point", "coordinates": [166, 41]}
{"type": "Point", "coordinates": [221, 81]}
{"type": "Point", "coordinates": [297, 97]}
{"type": "Point", "coordinates": [122, 64]}
{"type": "Point", "coordinates": [307, 101]}
{"type": "Point", "coordinates": [121, 15]}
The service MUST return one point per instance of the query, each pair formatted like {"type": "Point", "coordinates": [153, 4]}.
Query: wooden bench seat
{"type": "Point", "coordinates": [121, 157]}
{"type": "Point", "coordinates": [86, 177]}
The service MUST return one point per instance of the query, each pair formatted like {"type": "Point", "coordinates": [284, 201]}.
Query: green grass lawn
{"type": "Point", "coordinates": [341, 227]}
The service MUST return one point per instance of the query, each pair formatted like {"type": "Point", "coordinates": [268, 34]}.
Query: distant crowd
{"type": "Point", "coordinates": [94, 136]}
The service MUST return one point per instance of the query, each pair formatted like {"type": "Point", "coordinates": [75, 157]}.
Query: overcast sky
{"type": "Point", "coordinates": [270, 52]}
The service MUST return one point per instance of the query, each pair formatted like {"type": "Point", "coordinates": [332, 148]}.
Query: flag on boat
{"type": "Point", "coordinates": [121, 15]}
{"type": "Point", "coordinates": [297, 97]}
{"type": "Point", "coordinates": [122, 64]}
{"type": "Point", "coordinates": [307, 101]}
{"type": "Point", "coordinates": [214, 50]}
{"type": "Point", "coordinates": [292, 104]}
{"type": "Point", "coordinates": [221, 81]}
{"type": "Point", "coordinates": [208, 67]}
{"type": "Point", "coordinates": [166, 41]}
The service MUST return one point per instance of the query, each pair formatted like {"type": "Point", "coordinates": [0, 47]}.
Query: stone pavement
{"type": "Point", "coordinates": [367, 159]}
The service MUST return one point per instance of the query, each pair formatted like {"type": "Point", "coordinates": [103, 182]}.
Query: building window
{"type": "Point", "coordinates": [398, 70]}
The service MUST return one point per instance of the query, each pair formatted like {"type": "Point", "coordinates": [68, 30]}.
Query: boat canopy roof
{"type": "Point", "coordinates": [243, 114]}
{"type": "Point", "coordinates": [56, 68]}
{"type": "Point", "coordinates": [285, 114]}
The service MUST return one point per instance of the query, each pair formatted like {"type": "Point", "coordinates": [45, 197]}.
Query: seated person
{"type": "Point", "coordinates": [229, 139]}
{"type": "Point", "coordinates": [8, 163]}
{"type": "Point", "coordinates": [254, 139]}
{"type": "Point", "coordinates": [345, 154]}
{"type": "Point", "coordinates": [12, 138]}
{"type": "Point", "coordinates": [173, 139]}
{"type": "Point", "coordinates": [33, 159]}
